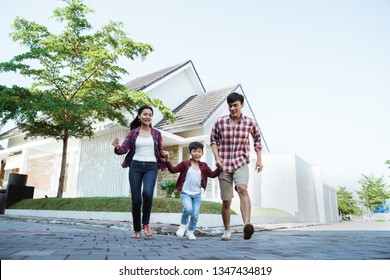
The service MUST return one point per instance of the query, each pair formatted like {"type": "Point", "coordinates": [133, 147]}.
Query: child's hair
{"type": "Point", "coordinates": [195, 145]}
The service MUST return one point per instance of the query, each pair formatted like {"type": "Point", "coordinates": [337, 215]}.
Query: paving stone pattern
{"type": "Point", "coordinates": [28, 238]}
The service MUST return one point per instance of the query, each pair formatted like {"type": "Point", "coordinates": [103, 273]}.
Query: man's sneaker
{"type": "Point", "coordinates": [248, 231]}
{"type": "Point", "coordinates": [226, 235]}
{"type": "Point", "coordinates": [191, 235]}
{"type": "Point", "coordinates": [182, 230]}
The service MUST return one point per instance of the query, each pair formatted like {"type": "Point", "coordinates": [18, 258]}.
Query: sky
{"type": "Point", "coordinates": [316, 73]}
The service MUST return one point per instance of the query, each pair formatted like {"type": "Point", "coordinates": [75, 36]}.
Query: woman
{"type": "Point", "coordinates": [143, 146]}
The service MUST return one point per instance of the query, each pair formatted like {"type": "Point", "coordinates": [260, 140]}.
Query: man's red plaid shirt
{"type": "Point", "coordinates": [233, 142]}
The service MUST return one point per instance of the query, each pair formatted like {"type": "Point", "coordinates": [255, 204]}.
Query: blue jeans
{"type": "Point", "coordinates": [142, 173]}
{"type": "Point", "coordinates": [191, 208]}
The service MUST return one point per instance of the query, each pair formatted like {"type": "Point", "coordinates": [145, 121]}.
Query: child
{"type": "Point", "coordinates": [192, 178]}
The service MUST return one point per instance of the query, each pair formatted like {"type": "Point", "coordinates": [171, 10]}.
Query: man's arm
{"type": "Point", "coordinates": [214, 140]}
{"type": "Point", "coordinates": [259, 163]}
{"type": "Point", "coordinates": [256, 135]}
{"type": "Point", "coordinates": [218, 160]}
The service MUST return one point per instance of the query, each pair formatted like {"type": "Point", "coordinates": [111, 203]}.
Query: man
{"type": "Point", "coordinates": [230, 144]}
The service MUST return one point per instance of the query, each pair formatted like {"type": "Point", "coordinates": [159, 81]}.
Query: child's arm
{"type": "Point", "coordinates": [213, 174]}
{"type": "Point", "coordinates": [174, 169]}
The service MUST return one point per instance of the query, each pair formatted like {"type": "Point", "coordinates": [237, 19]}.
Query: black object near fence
{"type": "Point", "coordinates": [16, 190]}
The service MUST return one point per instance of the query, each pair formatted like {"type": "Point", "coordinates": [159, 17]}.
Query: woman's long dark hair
{"type": "Point", "coordinates": [137, 122]}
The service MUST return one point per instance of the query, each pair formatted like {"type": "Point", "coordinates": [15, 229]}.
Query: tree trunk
{"type": "Point", "coordinates": [63, 166]}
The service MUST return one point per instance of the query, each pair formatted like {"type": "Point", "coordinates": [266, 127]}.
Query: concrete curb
{"type": "Point", "coordinates": [205, 220]}
{"type": "Point", "coordinates": [162, 223]}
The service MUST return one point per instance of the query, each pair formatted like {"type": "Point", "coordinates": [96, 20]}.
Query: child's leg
{"type": "Point", "coordinates": [187, 208]}
{"type": "Point", "coordinates": [196, 202]}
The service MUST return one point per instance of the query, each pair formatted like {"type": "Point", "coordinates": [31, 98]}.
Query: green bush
{"type": "Point", "coordinates": [169, 186]}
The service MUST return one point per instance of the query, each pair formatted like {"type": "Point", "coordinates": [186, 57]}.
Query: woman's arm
{"type": "Point", "coordinates": [124, 148]}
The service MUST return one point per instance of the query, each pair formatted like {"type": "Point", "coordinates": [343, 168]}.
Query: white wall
{"type": "Point", "coordinates": [279, 183]}
{"type": "Point", "coordinates": [288, 183]}
{"type": "Point", "coordinates": [100, 172]}
{"type": "Point", "coordinates": [319, 191]}
{"type": "Point", "coordinates": [307, 201]}
{"type": "Point", "coordinates": [330, 202]}
{"type": "Point", "coordinates": [219, 112]}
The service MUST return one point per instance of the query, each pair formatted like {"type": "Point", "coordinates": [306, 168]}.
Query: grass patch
{"type": "Point", "coordinates": [270, 212]}
{"type": "Point", "coordinates": [109, 204]}
{"type": "Point", "coordinates": [123, 204]}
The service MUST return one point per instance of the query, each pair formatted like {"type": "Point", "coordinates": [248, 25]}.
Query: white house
{"type": "Point", "coordinates": [287, 182]}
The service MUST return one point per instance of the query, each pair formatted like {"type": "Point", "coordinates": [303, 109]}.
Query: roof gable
{"type": "Point", "coordinates": [196, 110]}
{"type": "Point", "coordinates": [8, 133]}
{"type": "Point", "coordinates": [145, 81]}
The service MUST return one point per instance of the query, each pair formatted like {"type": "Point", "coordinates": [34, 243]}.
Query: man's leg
{"type": "Point", "coordinates": [245, 203]}
{"type": "Point", "coordinates": [226, 213]}
{"type": "Point", "coordinates": [241, 178]}
{"type": "Point", "coordinates": [245, 207]}
{"type": "Point", "coordinates": [226, 187]}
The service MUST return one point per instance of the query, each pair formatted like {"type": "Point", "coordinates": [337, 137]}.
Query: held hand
{"type": "Point", "coordinates": [219, 163]}
{"type": "Point", "coordinates": [165, 155]}
{"type": "Point", "coordinates": [259, 166]}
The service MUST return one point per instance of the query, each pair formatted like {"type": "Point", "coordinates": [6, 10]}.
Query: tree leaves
{"type": "Point", "coordinates": [374, 191]}
{"type": "Point", "coordinates": [76, 77]}
{"type": "Point", "coordinates": [346, 203]}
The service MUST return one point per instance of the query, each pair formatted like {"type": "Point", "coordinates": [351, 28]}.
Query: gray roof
{"type": "Point", "coordinates": [8, 132]}
{"type": "Point", "coordinates": [145, 81]}
{"type": "Point", "coordinates": [197, 109]}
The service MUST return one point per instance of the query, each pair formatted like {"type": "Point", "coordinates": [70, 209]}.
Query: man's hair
{"type": "Point", "coordinates": [234, 96]}
{"type": "Point", "coordinates": [195, 145]}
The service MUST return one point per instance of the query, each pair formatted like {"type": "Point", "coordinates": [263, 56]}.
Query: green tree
{"type": "Point", "coordinates": [373, 193]}
{"type": "Point", "coordinates": [388, 162]}
{"type": "Point", "coordinates": [76, 78]}
{"type": "Point", "coordinates": [346, 204]}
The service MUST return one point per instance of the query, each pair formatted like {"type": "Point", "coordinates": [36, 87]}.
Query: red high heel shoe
{"type": "Point", "coordinates": [147, 230]}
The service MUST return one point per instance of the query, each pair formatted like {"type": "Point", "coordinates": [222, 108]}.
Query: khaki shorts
{"type": "Point", "coordinates": [239, 177]}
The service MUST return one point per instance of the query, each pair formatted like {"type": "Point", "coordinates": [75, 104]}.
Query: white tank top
{"type": "Point", "coordinates": [192, 184]}
{"type": "Point", "coordinates": [144, 149]}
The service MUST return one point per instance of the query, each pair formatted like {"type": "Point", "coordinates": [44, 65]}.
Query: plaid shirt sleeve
{"type": "Point", "coordinates": [214, 136]}
{"type": "Point", "coordinates": [159, 141]}
{"type": "Point", "coordinates": [125, 146]}
{"type": "Point", "coordinates": [256, 135]}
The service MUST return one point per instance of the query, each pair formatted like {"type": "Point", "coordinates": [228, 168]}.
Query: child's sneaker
{"type": "Point", "coordinates": [182, 230]}
{"type": "Point", "coordinates": [226, 235]}
{"type": "Point", "coordinates": [191, 235]}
